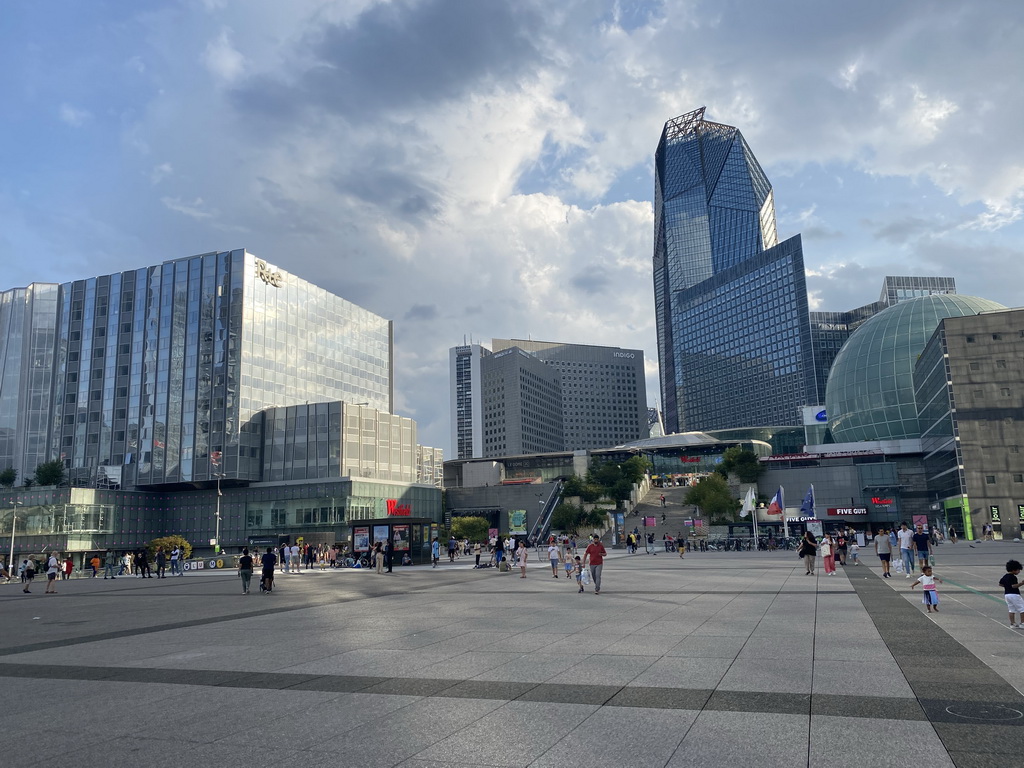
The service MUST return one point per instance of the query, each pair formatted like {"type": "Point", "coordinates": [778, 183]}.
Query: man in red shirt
{"type": "Point", "coordinates": [595, 557]}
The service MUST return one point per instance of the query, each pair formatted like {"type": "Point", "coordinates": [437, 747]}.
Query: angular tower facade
{"type": "Point", "coordinates": [734, 342]}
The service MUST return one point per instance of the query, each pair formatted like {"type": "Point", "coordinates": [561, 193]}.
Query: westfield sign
{"type": "Point", "coordinates": [398, 510]}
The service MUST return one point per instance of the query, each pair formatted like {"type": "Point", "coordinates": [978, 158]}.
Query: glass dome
{"type": "Point", "coordinates": [870, 390]}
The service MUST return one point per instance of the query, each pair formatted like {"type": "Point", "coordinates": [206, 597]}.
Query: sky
{"type": "Point", "coordinates": [477, 169]}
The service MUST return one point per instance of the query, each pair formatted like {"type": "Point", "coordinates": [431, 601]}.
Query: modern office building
{"type": "Point", "coordinates": [967, 383]}
{"type": "Point", "coordinates": [870, 391]}
{"type": "Point", "coordinates": [603, 391]}
{"type": "Point", "coordinates": [27, 350]}
{"type": "Point", "coordinates": [466, 405]}
{"type": "Point", "coordinates": [830, 330]}
{"type": "Point", "coordinates": [218, 373]}
{"type": "Point", "coordinates": [522, 404]}
{"type": "Point", "coordinates": [734, 339]}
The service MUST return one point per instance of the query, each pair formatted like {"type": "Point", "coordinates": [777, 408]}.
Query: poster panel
{"type": "Point", "coordinates": [380, 533]}
{"type": "Point", "coordinates": [361, 539]}
{"type": "Point", "coordinates": [517, 521]}
{"type": "Point", "coordinates": [400, 534]}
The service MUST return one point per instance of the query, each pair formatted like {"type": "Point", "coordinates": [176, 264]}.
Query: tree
{"type": "Point", "coordinates": [28, 482]}
{"type": "Point", "coordinates": [50, 472]}
{"type": "Point", "coordinates": [472, 528]}
{"type": "Point", "coordinates": [169, 543]}
{"type": "Point", "coordinates": [635, 468]}
{"type": "Point", "coordinates": [714, 498]}
{"type": "Point", "coordinates": [570, 518]}
{"type": "Point", "coordinates": [8, 476]}
{"type": "Point", "coordinates": [742, 463]}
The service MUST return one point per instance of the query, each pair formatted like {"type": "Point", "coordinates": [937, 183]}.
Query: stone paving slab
{"type": "Point", "coordinates": [729, 658]}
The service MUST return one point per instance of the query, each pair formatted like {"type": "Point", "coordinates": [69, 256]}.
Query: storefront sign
{"type": "Point", "coordinates": [398, 510]}
{"type": "Point", "coordinates": [834, 511]}
{"type": "Point", "coordinates": [883, 501]}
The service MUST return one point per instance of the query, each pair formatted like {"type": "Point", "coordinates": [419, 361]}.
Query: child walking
{"type": "Point", "coordinates": [578, 565]}
{"type": "Point", "coordinates": [854, 552]}
{"type": "Point", "coordinates": [928, 594]}
{"type": "Point", "coordinates": [1011, 592]}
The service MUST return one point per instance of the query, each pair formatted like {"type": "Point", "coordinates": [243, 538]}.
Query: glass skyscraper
{"type": "Point", "coordinates": [158, 376]}
{"type": "Point", "coordinates": [734, 342]}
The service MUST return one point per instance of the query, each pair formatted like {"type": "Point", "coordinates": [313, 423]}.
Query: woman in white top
{"type": "Point", "coordinates": [52, 569]}
{"type": "Point", "coordinates": [828, 554]}
{"type": "Point", "coordinates": [521, 554]}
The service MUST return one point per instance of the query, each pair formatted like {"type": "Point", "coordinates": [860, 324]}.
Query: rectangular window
{"type": "Point", "coordinates": [990, 479]}
{"type": "Point", "coordinates": [1018, 478]}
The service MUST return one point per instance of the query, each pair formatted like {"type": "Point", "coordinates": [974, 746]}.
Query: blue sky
{"type": "Point", "coordinates": [484, 169]}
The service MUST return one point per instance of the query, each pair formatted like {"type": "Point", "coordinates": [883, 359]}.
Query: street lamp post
{"type": "Point", "coordinates": [14, 523]}
{"type": "Point", "coordinates": [215, 457]}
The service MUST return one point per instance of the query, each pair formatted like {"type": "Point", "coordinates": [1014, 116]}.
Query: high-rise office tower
{"type": "Point", "coordinates": [734, 341]}
{"type": "Point", "coordinates": [830, 330]}
{"type": "Point", "coordinates": [604, 391]}
{"type": "Point", "coordinates": [467, 414]}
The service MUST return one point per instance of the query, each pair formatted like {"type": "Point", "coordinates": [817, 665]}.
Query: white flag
{"type": "Point", "coordinates": [748, 503]}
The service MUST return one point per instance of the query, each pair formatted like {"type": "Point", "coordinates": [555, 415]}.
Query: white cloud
{"type": "Point", "coordinates": [192, 209]}
{"type": "Point", "coordinates": [74, 116]}
{"type": "Point", "coordinates": [222, 60]}
{"type": "Point", "coordinates": [160, 172]}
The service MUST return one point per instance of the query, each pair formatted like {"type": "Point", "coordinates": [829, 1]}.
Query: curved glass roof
{"type": "Point", "coordinates": [870, 390]}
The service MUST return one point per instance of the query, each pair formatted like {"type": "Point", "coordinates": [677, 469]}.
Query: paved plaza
{"type": "Point", "coordinates": [721, 659]}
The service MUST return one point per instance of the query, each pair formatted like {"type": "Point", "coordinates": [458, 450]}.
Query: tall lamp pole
{"type": "Point", "coordinates": [215, 460]}
{"type": "Point", "coordinates": [14, 523]}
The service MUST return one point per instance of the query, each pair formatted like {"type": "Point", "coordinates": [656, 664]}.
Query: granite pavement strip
{"type": "Point", "coordinates": [720, 659]}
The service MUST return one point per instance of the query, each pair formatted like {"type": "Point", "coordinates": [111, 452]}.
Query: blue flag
{"type": "Point", "coordinates": [807, 506]}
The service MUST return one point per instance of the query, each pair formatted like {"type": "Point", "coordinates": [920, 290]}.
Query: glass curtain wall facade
{"type": "Point", "coordinates": [28, 321]}
{"type": "Point", "coordinates": [716, 251]}
{"type": "Point", "coordinates": [830, 330]}
{"type": "Point", "coordinates": [466, 405]}
{"type": "Point", "coordinates": [164, 370]}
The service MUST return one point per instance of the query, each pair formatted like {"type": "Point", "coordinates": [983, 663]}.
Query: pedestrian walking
{"type": "Point", "coordinates": [827, 549]}
{"type": "Point", "coordinates": [27, 574]}
{"type": "Point", "coordinates": [245, 570]}
{"type": "Point", "coordinates": [435, 551]}
{"type": "Point", "coordinates": [451, 549]}
{"type": "Point", "coordinates": [577, 568]}
{"type": "Point", "coordinates": [521, 554]}
{"type": "Point", "coordinates": [378, 557]}
{"type": "Point", "coordinates": [841, 547]}
{"type": "Point", "coordinates": [499, 552]}
{"type": "Point", "coordinates": [906, 539]}
{"type": "Point", "coordinates": [478, 549]}
{"type": "Point", "coordinates": [52, 568]}
{"type": "Point", "coordinates": [553, 558]}
{"type": "Point", "coordinates": [161, 562]}
{"type": "Point", "coordinates": [883, 548]}
{"type": "Point", "coordinates": [928, 594]}
{"type": "Point", "coordinates": [594, 555]}
{"type": "Point", "coordinates": [809, 552]}
{"type": "Point", "coordinates": [854, 552]}
{"type": "Point", "coordinates": [268, 561]}
{"type": "Point", "coordinates": [176, 561]}
{"type": "Point", "coordinates": [1011, 593]}
{"type": "Point", "coordinates": [922, 542]}
{"type": "Point", "coordinates": [952, 535]}
{"type": "Point", "coordinates": [67, 568]}
{"type": "Point", "coordinates": [109, 562]}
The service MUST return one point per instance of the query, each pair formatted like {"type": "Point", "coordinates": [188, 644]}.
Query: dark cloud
{"type": "Point", "coordinates": [404, 194]}
{"type": "Point", "coordinates": [421, 312]}
{"type": "Point", "coordinates": [902, 230]}
{"type": "Point", "coordinates": [592, 282]}
{"type": "Point", "coordinates": [401, 54]}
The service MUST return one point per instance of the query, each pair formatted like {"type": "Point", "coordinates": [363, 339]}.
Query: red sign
{"type": "Point", "coordinates": [834, 511]}
{"type": "Point", "coordinates": [880, 500]}
{"type": "Point", "coordinates": [690, 459]}
{"type": "Point", "coordinates": [398, 510]}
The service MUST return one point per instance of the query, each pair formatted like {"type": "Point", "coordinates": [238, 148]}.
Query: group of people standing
{"type": "Point", "coordinates": [834, 550]}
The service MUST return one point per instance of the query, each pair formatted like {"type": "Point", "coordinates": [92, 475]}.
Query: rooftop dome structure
{"type": "Point", "coordinates": [870, 390]}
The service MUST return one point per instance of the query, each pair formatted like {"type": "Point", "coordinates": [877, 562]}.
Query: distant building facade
{"type": "Point", "coordinates": [603, 391]}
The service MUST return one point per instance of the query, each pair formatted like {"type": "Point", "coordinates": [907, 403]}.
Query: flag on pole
{"type": "Point", "coordinates": [748, 503]}
{"type": "Point", "coordinates": [777, 505]}
{"type": "Point", "coordinates": [807, 507]}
